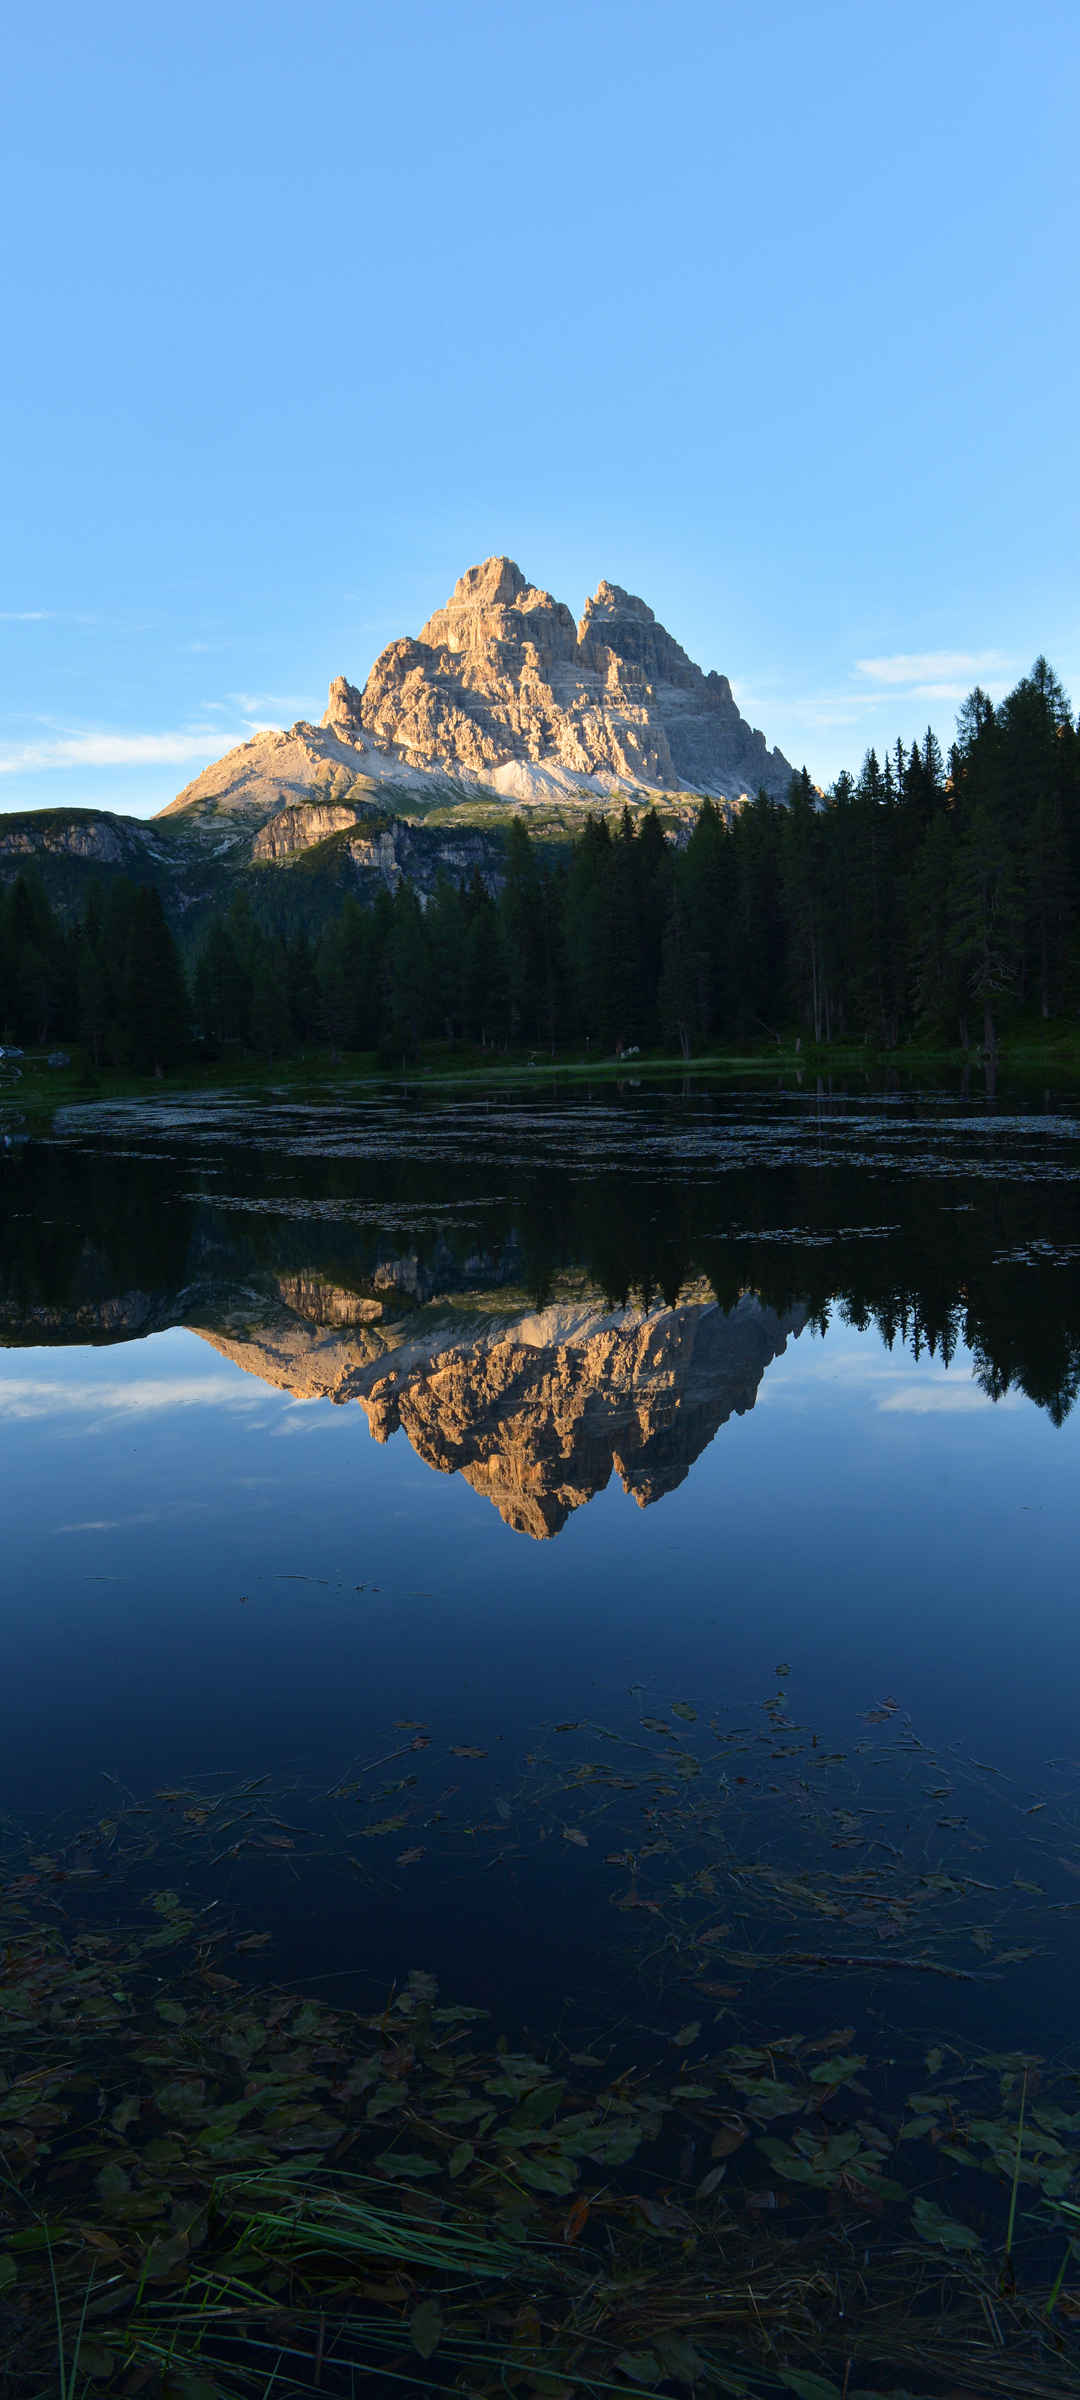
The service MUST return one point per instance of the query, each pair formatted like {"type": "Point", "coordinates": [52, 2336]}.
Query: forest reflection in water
{"type": "Point", "coordinates": [542, 1297]}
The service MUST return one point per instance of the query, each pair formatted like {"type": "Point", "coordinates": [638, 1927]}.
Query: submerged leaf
{"type": "Point", "coordinates": [548, 2174]}
{"type": "Point", "coordinates": [932, 2225]}
{"type": "Point", "coordinates": [726, 2139]}
{"type": "Point", "coordinates": [642, 2366]}
{"type": "Point", "coordinates": [680, 2359]}
{"type": "Point", "coordinates": [425, 2328]}
{"type": "Point", "coordinates": [164, 2257]}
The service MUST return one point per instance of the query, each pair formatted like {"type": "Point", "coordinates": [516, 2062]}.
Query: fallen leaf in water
{"type": "Point", "coordinates": [466, 1750]}
{"type": "Point", "coordinates": [408, 1858]}
{"type": "Point", "coordinates": [573, 1833]}
{"type": "Point", "coordinates": [686, 2034]}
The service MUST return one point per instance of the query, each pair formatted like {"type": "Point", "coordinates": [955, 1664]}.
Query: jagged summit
{"type": "Point", "coordinates": [503, 691]}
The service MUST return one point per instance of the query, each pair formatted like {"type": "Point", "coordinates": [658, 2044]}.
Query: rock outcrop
{"type": "Point", "coordinates": [298, 828]}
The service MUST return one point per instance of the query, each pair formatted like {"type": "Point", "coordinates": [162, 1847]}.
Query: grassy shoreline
{"type": "Point", "coordinates": [1047, 1054]}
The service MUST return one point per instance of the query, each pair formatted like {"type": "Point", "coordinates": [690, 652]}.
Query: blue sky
{"type": "Point", "coordinates": [765, 311]}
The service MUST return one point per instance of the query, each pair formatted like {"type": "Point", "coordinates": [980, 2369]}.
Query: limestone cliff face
{"type": "Point", "coordinates": [502, 678]}
{"type": "Point", "coordinates": [92, 835]}
{"type": "Point", "coordinates": [298, 828]}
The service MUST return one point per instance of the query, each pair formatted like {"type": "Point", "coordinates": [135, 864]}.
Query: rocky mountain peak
{"type": "Point", "coordinates": [504, 687]}
{"type": "Point", "coordinates": [609, 601]}
{"type": "Point", "coordinates": [494, 581]}
{"type": "Point", "coordinates": [492, 607]}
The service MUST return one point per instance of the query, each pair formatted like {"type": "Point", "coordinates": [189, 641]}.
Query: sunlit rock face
{"type": "Point", "coordinates": [536, 1412]}
{"type": "Point", "coordinates": [502, 679]}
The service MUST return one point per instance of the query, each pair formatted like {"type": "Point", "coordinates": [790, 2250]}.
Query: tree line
{"type": "Point", "coordinates": [928, 896]}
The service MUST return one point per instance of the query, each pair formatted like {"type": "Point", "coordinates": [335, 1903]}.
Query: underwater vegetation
{"type": "Point", "coordinates": [809, 2151]}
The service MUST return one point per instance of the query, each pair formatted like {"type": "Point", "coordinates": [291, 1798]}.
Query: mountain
{"type": "Point", "coordinates": [502, 704]}
{"type": "Point", "coordinates": [502, 694]}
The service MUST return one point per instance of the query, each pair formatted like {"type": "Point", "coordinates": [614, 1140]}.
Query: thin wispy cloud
{"type": "Point", "coordinates": [172, 749]}
{"type": "Point", "coordinates": [27, 1397]}
{"type": "Point", "coordinates": [286, 707]}
{"type": "Point", "coordinates": [890, 684]}
{"type": "Point", "coordinates": [936, 673]}
{"type": "Point", "coordinates": [935, 1399]}
{"type": "Point", "coordinates": [48, 616]}
{"type": "Point", "coordinates": [168, 1513]}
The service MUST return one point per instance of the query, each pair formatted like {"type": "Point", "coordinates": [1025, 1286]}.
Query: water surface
{"type": "Point", "coordinates": [312, 1413]}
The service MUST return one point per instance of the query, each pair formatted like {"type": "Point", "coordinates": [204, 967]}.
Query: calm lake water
{"type": "Point", "coordinates": [361, 1447]}
{"type": "Point", "coordinates": [664, 1390]}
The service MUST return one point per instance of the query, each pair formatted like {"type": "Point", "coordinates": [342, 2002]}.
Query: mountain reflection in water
{"type": "Point", "coordinates": [598, 1314]}
{"type": "Point", "coordinates": [536, 1411]}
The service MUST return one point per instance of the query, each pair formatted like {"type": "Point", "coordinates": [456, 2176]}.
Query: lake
{"type": "Point", "coordinates": [621, 1548]}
